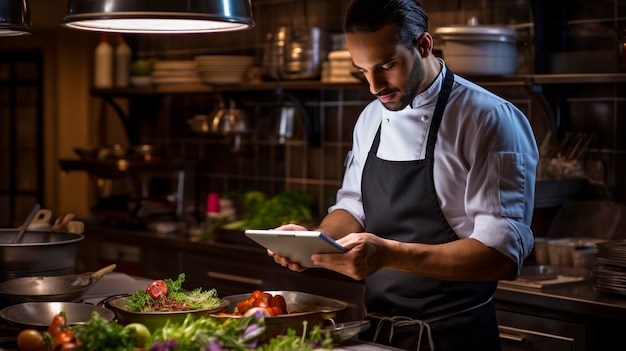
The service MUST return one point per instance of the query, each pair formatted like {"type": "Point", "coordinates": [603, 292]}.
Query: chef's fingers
{"type": "Point", "coordinates": [284, 261]}
{"type": "Point", "coordinates": [290, 227]}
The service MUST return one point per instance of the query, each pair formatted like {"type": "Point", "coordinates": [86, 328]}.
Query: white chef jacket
{"type": "Point", "coordinates": [484, 169]}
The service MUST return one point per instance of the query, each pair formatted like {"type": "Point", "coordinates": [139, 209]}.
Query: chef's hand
{"type": "Point", "coordinates": [284, 261]}
{"type": "Point", "coordinates": [366, 254]}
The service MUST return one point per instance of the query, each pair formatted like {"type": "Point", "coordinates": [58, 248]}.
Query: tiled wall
{"type": "Point", "coordinates": [265, 164]}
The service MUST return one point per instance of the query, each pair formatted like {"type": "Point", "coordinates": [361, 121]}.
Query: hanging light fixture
{"type": "Point", "coordinates": [159, 16]}
{"type": "Point", "coordinates": [14, 18]}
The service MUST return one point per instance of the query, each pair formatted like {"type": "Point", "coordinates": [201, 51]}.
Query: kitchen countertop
{"type": "Point", "coordinates": [576, 297]}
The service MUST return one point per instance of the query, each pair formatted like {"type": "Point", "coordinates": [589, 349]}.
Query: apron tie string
{"type": "Point", "coordinates": [403, 321]}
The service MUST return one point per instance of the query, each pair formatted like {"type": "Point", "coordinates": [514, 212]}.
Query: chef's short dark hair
{"type": "Point", "coordinates": [406, 16]}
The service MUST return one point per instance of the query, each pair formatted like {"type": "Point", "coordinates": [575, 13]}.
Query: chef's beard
{"type": "Point", "coordinates": [410, 90]}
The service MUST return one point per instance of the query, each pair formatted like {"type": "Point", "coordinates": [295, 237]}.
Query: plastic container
{"type": "Point", "coordinates": [103, 63]}
{"type": "Point", "coordinates": [123, 55]}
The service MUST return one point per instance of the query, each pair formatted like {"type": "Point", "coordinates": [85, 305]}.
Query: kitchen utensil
{"type": "Point", "coordinates": [39, 315]}
{"type": "Point", "coordinates": [76, 227]}
{"type": "Point", "coordinates": [50, 288]}
{"type": "Point", "coordinates": [41, 221]}
{"type": "Point", "coordinates": [344, 331]}
{"type": "Point", "coordinates": [301, 307]}
{"type": "Point", "coordinates": [293, 53]}
{"type": "Point", "coordinates": [39, 253]}
{"type": "Point", "coordinates": [153, 320]}
{"type": "Point", "coordinates": [26, 223]}
{"type": "Point", "coordinates": [62, 221]}
{"type": "Point", "coordinates": [479, 49]}
{"type": "Point", "coordinates": [146, 152]}
{"type": "Point", "coordinates": [87, 153]}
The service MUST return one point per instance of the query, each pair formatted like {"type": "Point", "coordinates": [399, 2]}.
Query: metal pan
{"type": "Point", "coordinates": [39, 315]}
{"type": "Point", "coordinates": [50, 288]}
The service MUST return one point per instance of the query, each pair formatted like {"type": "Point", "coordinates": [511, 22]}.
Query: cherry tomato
{"type": "Point", "coordinates": [243, 306]}
{"type": "Point", "coordinates": [58, 324]}
{"type": "Point", "coordinates": [274, 311]}
{"type": "Point", "coordinates": [64, 337]}
{"type": "Point", "coordinates": [30, 340]}
{"type": "Point", "coordinates": [254, 296]}
{"type": "Point", "coordinates": [157, 289]}
{"type": "Point", "coordinates": [70, 346]}
{"type": "Point", "coordinates": [279, 302]}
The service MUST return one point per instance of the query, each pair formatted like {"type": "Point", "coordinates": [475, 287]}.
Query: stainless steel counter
{"type": "Point", "coordinates": [578, 297]}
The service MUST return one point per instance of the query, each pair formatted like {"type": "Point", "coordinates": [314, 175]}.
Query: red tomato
{"type": "Point", "coordinates": [157, 289]}
{"type": "Point", "coordinates": [254, 296]}
{"type": "Point", "coordinates": [70, 346]}
{"type": "Point", "coordinates": [58, 324]}
{"type": "Point", "coordinates": [279, 302]}
{"type": "Point", "coordinates": [274, 311]}
{"type": "Point", "coordinates": [243, 306]}
{"type": "Point", "coordinates": [262, 300]}
{"type": "Point", "coordinates": [63, 338]}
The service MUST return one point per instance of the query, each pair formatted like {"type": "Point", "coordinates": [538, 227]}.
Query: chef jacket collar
{"type": "Point", "coordinates": [431, 93]}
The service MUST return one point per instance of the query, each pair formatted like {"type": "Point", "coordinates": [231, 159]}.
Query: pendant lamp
{"type": "Point", "coordinates": [14, 18]}
{"type": "Point", "coordinates": [159, 16]}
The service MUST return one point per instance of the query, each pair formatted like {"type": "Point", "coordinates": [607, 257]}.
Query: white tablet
{"type": "Point", "coordinates": [297, 245]}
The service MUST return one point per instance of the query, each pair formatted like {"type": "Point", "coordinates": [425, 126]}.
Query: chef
{"type": "Point", "coordinates": [437, 196]}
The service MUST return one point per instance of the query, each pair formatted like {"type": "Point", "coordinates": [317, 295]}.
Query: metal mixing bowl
{"type": "Point", "coordinates": [40, 253]}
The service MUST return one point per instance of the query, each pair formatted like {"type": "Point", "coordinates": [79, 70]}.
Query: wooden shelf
{"type": "Point", "coordinates": [510, 80]}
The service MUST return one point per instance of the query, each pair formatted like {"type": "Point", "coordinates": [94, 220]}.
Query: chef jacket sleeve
{"type": "Point", "coordinates": [501, 182]}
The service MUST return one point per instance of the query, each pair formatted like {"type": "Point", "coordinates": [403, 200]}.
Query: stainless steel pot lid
{"type": "Point", "coordinates": [476, 33]}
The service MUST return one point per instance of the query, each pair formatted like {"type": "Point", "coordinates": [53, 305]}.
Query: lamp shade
{"type": "Point", "coordinates": [159, 16]}
{"type": "Point", "coordinates": [14, 18]}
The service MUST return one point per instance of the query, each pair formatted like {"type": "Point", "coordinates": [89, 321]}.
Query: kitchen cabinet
{"type": "Point", "coordinates": [523, 331]}
{"type": "Point", "coordinates": [570, 317]}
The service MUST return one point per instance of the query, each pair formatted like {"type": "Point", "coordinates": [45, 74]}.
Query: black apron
{"type": "Point", "coordinates": [409, 311]}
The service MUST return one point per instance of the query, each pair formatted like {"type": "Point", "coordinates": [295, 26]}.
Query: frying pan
{"type": "Point", "coordinates": [49, 288]}
{"type": "Point", "coordinates": [39, 315]}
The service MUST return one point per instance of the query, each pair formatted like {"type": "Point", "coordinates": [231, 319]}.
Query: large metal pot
{"type": "Point", "coordinates": [40, 253]}
{"type": "Point", "coordinates": [295, 53]}
{"type": "Point", "coordinates": [479, 49]}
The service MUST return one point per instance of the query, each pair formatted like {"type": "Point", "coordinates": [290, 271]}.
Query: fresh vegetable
{"type": "Point", "coordinates": [58, 324]}
{"type": "Point", "coordinates": [142, 334]}
{"type": "Point", "coordinates": [290, 341]}
{"type": "Point", "coordinates": [154, 298]}
{"type": "Point", "coordinates": [261, 212]}
{"type": "Point", "coordinates": [31, 340]}
{"type": "Point", "coordinates": [100, 334]}
{"type": "Point", "coordinates": [205, 333]}
{"type": "Point", "coordinates": [274, 305]}
{"type": "Point", "coordinates": [157, 289]}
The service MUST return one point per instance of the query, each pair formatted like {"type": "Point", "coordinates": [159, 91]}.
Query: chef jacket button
{"type": "Point", "coordinates": [424, 118]}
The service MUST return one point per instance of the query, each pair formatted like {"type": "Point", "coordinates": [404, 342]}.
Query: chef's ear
{"type": "Point", "coordinates": [424, 44]}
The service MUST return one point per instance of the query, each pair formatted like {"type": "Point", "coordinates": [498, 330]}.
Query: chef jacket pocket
{"type": "Point", "coordinates": [512, 183]}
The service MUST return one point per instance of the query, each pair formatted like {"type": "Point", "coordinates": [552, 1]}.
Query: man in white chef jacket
{"type": "Point", "coordinates": [437, 197]}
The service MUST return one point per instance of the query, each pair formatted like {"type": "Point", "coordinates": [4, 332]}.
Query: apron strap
{"type": "Point", "coordinates": [402, 321]}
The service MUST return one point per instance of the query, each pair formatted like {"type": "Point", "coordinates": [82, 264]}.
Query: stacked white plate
{"type": "Point", "coordinates": [339, 68]}
{"type": "Point", "coordinates": [223, 69]}
{"type": "Point", "coordinates": [175, 72]}
{"type": "Point", "coordinates": [610, 276]}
